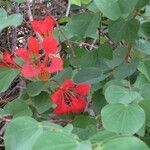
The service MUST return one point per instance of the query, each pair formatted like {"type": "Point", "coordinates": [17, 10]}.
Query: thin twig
{"type": "Point", "coordinates": [129, 46]}
{"type": "Point", "coordinates": [93, 43]}
{"type": "Point", "coordinates": [31, 18]}
{"type": "Point", "coordinates": [3, 128]}
{"type": "Point", "coordinates": [84, 44]}
{"type": "Point", "coordinates": [68, 9]}
{"type": "Point", "coordinates": [70, 46]}
{"type": "Point", "coordinates": [5, 118]}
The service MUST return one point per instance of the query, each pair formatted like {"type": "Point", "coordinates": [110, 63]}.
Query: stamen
{"type": "Point", "coordinates": [44, 75]}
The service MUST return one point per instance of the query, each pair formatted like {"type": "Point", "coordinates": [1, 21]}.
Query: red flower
{"type": "Point", "coordinates": [70, 98]}
{"type": "Point", "coordinates": [44, 27]}
{"type": "Point", "coordinates": [8, 61]}
{"type": "Point", "coordinates": [35, 66]}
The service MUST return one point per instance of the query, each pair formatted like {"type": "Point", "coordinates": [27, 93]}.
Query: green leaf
{"type": "Point", "coordinates": [145, 28]}
{"type": "Point", "coordinates": [99, 101]}
{"type": "Point", "coordinates": [64, 74]}
{"type": "Point", "coordinates": [125, 119]}
{"type": "Point", "coordinates": [17, 108]}
{"type": "Point", "coordinates": [145, 104]}
{"type": "Point", "coordinates": [140, 81]}
{"type": "Point", "coordinates": [109, 8]}
{"type": "Point", "coordinates": [36, 87]}
{"type": "Point", "coordinates": [127, 6]}
{"type": "Point", "coordinates": [141, 3]}
{"type": "Point", "coordinates": [144, 68]}
{"type": "Point", "coordinates": [55, 140]}
{"type": "Point", "coordinates": [83, 121]}
{"type": "Point", "coordinates": [27, 133]}
{"type": "Point", "coordinates": [114, 9]}
{"type": "Point", "coordinates": [145, 91]}
{"type": "Point", "coordinates": [3, 13]}
{"type": "Point", "coordinates": [102, 135]}
{"type": "Point", "coordinates": [122, 83]}
{"type": "Point", "coordinates": [19, 1]}
{"type": "Point", "coordinates": [119, 55]}
{"type": "Point", "coordinates": [60, 36]}
{"type": "Point", "coordinates": [7, 76]}
{"type": "Point", "coordinates": [82, 25]}
{"type": "Point", "coordinates": [11, 20]}
{"type": "Point", "coordinates": [79, 52]}
{"type": "Point", "coordinates": [42, 102]}
{"type": "Point", "coordinates": [76, 2]}
{"type": "Point", "coordinates": [124, 70]}
{"type": "Point", "coordinates": [118, 94]}
{"type": "Point", "coordinates": [96, 56]}
{"type": "Point", "coordinates": [142, 46]}
{"type": "Point", "coordinates": [90, 75]}
{"type": "Point", "coordinates": [85, 145]}
{"type": "Point", "coordinates": [85, 133]}
{"type": "Point", "coordinates": [79, 2]}
{"type": "Point", "coordinates": [86, 1]}
{"type": "Point", "coordinates": [93, 8]}
{"type": "Point", "coordinates": [124, 30]}
{"type": "Point", "coordinates": [124, 143]}
{"type": "Point", "coordinates": [6, 3]}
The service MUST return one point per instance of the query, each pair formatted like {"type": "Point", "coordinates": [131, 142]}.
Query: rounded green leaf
{"type": "Point", "coordinates": [145, 91]}
{"type": "Point", "coordinates": [118, 94]}
{"type": "Point", "coordinates": [124, 30]}
{"type": "Point", "coordinates": [85, 22]}
{"type": "Point", "coordinates": [17, 108]}
{"type": "Point", "coordinates": [142, 46]}
{"type": "Point", "coordinates": [144, 68]}
{"type": "Point", "coordinates": [127, 7]}
{"type": "Point", "coordinates": [42, 102]}
{"type": "Point", "coordinates": [6, 77]}
{"type": "Point", "coordinates": [109, 8]}
{"type": "Point", "coordinates": [124, 143]}
{"type": "Point", "coordinates": [19, 1]}
{"type": "Point", "coordinates": [11, 20]}
{"type": "Point", "coordinates": [145, 28]}
{"type": "Point", "coordinates": [145, 104]}
{"type": "Point", "coordinates": [89, 75]}
{"type": "Point", "coordinates": [102, 135]}
{"type": "Point", "coordinates": [35, 88]}
{"type": "Point", "coordinates": [55, 141]}
{"type": "Point", "coordinates": [141, 3]}
{"type": "Point", "coordinates": [125, 119]}
{"type": "Point", "coordinates": [25, 133]}
{"type": "Point", "coordinates": [125, 70]}
{"type": "Point", "coordinates": [21, 133]}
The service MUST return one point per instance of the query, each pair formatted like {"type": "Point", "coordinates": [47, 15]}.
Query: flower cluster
{"type": "Point", "coordinates": [40, 59]}
{"type": "Point", "coordinates": [34, 63]}
{"type": "Point", "coordinates": [70, 98]}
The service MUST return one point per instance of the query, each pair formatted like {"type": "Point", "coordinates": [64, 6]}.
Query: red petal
{"type": "Point", "coordinates": [68, 84]}
{"type": "Point", "coordinates": [43, 27]}
{"type": "Point", "coordinates": [78, 105]}
{"type": "Point", "coordinates": [8, 58]}
{"type": "Point", "coordinates": [49, 23]}
{"type": "Point", "coordinates": [3, 64]}
{"type": "Point", "coordinates": [23, 54]}
{"type": "Point", "coordinates": [36, 26]}
{"type": "Point", "coordinates": [28, 71]}
{"type": "Point", "coordinates": [50, 45]}
{"type": "Point", "coordinates": [57, 97]}
{"type": "Point", "coordinates": [34, 45]}
{"type": "Point", "coordinates": [62, 109]}
{"type": "Point", "coordinates": [83, 89]}
{"type": "Point", "coordinates": [56, 65]}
